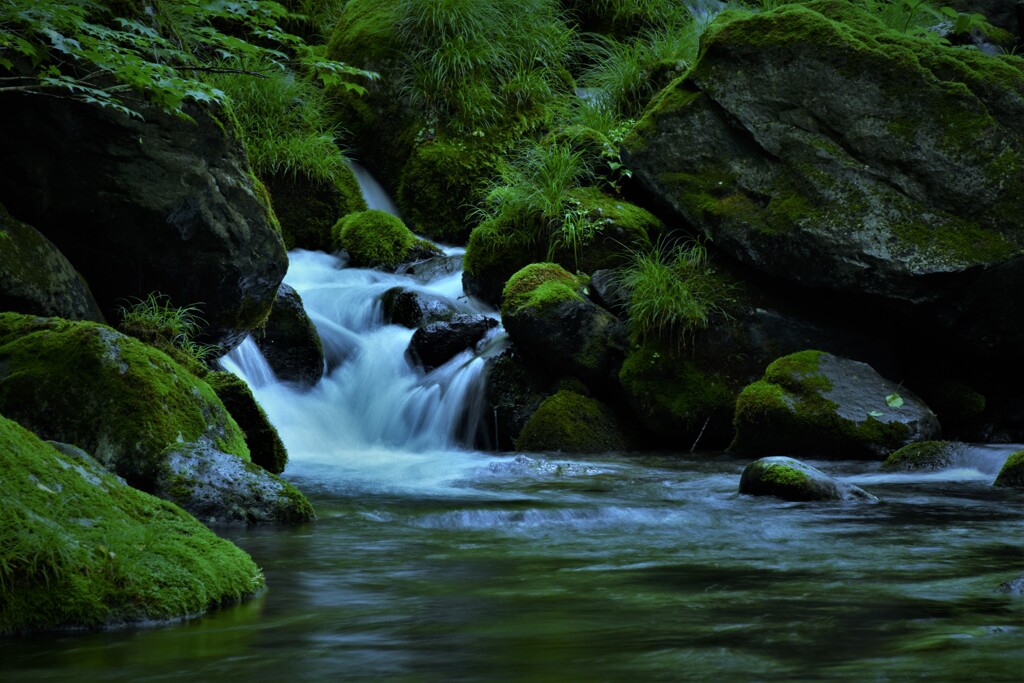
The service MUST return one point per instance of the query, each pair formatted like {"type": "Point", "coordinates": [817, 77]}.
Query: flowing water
{"type": "Point", "coordinates": [432, 562]}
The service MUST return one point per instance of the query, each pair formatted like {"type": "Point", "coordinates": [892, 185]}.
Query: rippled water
{"type": "Point", "coordinates": [434, 563]}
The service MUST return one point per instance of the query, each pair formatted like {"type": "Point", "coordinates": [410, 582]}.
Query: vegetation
{"type": "Point", "coordinates": [117, 54]}
{"type": "Point", "coordinates": [156, 321]}
{"type": "Point", "coordinates": [571, 423]}
{"type": "Point", "coordinates": [375, 239]}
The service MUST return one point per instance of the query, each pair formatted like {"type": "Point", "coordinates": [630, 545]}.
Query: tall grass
{"type": "Point", "coordinates": [156, 318]}
{"type": "Point", "coordinates": [672, 292]}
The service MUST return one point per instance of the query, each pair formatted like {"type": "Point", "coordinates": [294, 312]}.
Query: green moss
{"type": "Point", "coordinates": [785, 476]}
{"type": "Point", "coordinates": [1012, 473]}
{"type": "Point", "coordinates": [571, 423]}
{"type": "Point", "coordinates": [799, 372]}
{"type": "Point", "coordinates": [112, 395]}
{"type": "Point", "coordinates": [79, 549]}
{"type": "Point", "coordinates": [265, 445]}
{"type": "Point", "coordinates": [620, 227]}
{"type": "Point", "coordinates": [374, 238]}
{"type": "Point", "coordinates": [675, 397]}
{"type": "Point", "coordinates": [308, 208]}
{"type": "Point", "coordinates": [539, 285]}
{"type": "Point", "coordinates": [265, 200]}
{"type": "Point", "coordinates": [923, 455]}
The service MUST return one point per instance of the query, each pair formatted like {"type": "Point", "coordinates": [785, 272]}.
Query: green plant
{"type": "Point", "coordinates": [156, 318]}
{"type": "Point", "coordinates": [923, 19]}
{"type": "Point", "coordinates": [33, 551]}
{"type": "Point", "coordinates": [673, 291]}
{"type": "Point", "coordinates": [84, 50]}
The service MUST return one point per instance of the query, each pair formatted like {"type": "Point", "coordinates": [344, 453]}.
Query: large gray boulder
{"type": "Point", "coordinates": [164, 205]}
{"type": "Point", "coordinates": [813, 403]}
{"type": "Point", "coordinates": [36, 278]}
{"type": "Point", "coordinates": [844, 156]}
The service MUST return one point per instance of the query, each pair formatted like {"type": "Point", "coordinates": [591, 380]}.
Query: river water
{"type": "Point", "coordinates": [433, 562]}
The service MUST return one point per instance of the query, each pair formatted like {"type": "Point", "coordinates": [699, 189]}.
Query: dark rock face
{"type": "Point", "coordinates": [775, 148]}
{"type": "Point", "coordinates": [415, 309]}
{"type": "Point", "coordinates": [431, 269]}
{"type": "Point", "coordinates": [791, 479]}
{"type": "Point", "coordinates": [36, 278]}
{"type": "Point", "coordinates": [308, 208]}
{"type": "Point", "coordinates": [265, 446]}
{"type": "Point", "coordinates": [826, 406]}
{"type": "Point", "coordinates": [160, 205]}
{"type": "Point", "coordinates": [437, 343]}
{"type": "Point", "coordinates": [515, 390]}
{"type": "Point", "coordinates": [289, 340]}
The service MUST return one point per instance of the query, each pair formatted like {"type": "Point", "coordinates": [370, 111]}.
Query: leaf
{"type": "Point", "coordinates": [876, 413]}
{"type": "Point", "coordinates": [894, 400]}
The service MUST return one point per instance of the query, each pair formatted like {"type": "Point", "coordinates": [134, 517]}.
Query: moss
{"type": "Point", "coordinates": [675, 397]}
{"type": "Point", "coordinates": [785, 477]}
{"type": "Point", "coordinates": [438, 186]}
{"type": "Point", "coordinates": [265, 446]}
{"type": "Point", "coordinates": [78, 548]}
{"type": "Point", "coordinates": [1011, 475]}
{"type": "Point", "coordinates": [923, 455]}
{"type": "Point", "coordinates": [571, 423]}
{"type": "Point", "coordinates": [112, 395]}
{"type": "Point", "coordinates": [374, 238]}
{"type": "Point", "coordinates": [266, 201]}
{"type": "Point", "coordinates": [799, 372]}
{"type": "Point", "coordinates": [539, 285]}
{"type": "Point", "coordinates": [620, 227]}
{"type": "Point", "coordinates": [496, 251]}
{"type": "Point", "coordinates": [308, 208]}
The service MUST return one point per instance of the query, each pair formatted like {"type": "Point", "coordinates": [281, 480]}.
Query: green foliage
{"type": "Point", "coordinates": [82, 50]}
{"type": "Point", "coordinates": [1011, 474]}
{"type": "Point", "coordinates": [923, 19]}
{"type": "Point", "coordinates": [156, 318]}
{"type": "Point", "coordinates": [673, 291]}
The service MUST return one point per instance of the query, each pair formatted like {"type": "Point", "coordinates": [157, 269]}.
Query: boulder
{"type": "Point", "coordinates": [569, 422]}
{"type": "Point", "coordinates": [791, 479]}
{"type": "Point", "coordinates": [122, 401]}
{"type": "Point", "coordinates": [139, 206]}
{"type": "Point", "coordinates": [842, 155]}
{"type": "Point", "coordinates": [36, 278]}
{"type": "Point", "coordinates": [1011, 474]}
{"type": "Point", "coordinates": [377, 239]}
{"type": "Point", "coordinates": [307, 208]}
{"type": "Point", "coordinates": [265, 446]}
{"type": "Point", "coordinates": [413, 309]}
{"type": "Point", "coordinates": [428, 270]}
{"type": "Point", "coordinates": [814, 403]}
{"type": "Point", "coordinates": [289, 341]}
{"type": "Point", "coordinates": [554, 325]}
{"type": "Point", "coordinates": [515, 389]}
{"type": "Point", "coordinates": [924, 456]}
{"type": "Point", "coordinates": [439, 342]}
{"type": "Point", "coordinates": [82, 550]}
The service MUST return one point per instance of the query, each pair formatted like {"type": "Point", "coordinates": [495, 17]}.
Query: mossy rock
{"type": "Point", "coordinates": [289, 341]}
{"type": "Point", "coordinates": [571, 423]}
{"type": "Point", "coordinates": [265, 446]}
{"type": "Point", "coordinates": [814, 403]}
{"type": "Point", "coordinates": [376, 239]}
{"type": "Point", "coordinates": [923, 456]}
{"type": "Point", "coordinates": [679, 402]}
{"type": "Point", "coordinates": [122, 401]}
{"type": "Point", "coordinates": [439, 186]}
{"type": "Point", "coordinates": [36, 278]}
{"type": "Point", "coordinates": [619, 229]}
{"type": "Point", "coordinates": [1011, 475]}
{"type": "Point", "coordinates": [80, 549]}
{"type": "Point", "coordinates": [515, 389]}
{"type": "Point", "coordinates": [307, 208]}
{"type": "Point", "coordinates": [495, 252]}
{"type": "Point", "coordinates": [539, 285]}
{"type": "Point", "coordinates": [791, 479]}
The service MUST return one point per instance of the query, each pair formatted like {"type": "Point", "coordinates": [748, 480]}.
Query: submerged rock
{"type": "Point", "coordinates": [84, 550]}
{"type": "Point", "coordinates": [122, 401]}
{"type": "Point", "coordinates": [571, 423]}
{"type": "Point", "coordinates": [289, 341]}
{"type": "Point", "coordinates": [160, 205]}
{"type": "Point", "coordinates": [791, 479]}
{"type": "Point", "coordinates": [924, 455]}
{"type": "Point", "coordinates": [814, 403]}
{"type": "Point", "coordinates": [439, 342]}
{"type": "Point", "coordinates": [36, 278]}
{"type": "Point", "coordinates": [773, 146]}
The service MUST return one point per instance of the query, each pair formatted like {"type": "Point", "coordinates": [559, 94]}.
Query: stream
{"type": "Point", "coordinates": [433, 562]}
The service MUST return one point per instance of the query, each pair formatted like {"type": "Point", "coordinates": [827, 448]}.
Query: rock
{"type": "Point", "coordinates": [439, 342]}
{"type": "Point", "coordinates": [515, 390]}
{"type": "Point", "coordinates": [432, 269]}
{"type": "Point", "coordinates": [376, 239]}
{"type": "Point", "coordinates": [92, 552]}
{"type": "Point", "coordinates": [1011, 474]}
{"type": "Point", "coordinates": [125, 403]}
{"type": "Point", "coordinates": [791, 479]}
{"type": "Point", "coordinates": [36, 278]}
{"type": "Point", "coordinates": [161, 205]}
{"type": "Point", "coordinates": [1013, 586]}
{"type": "Point", "coordinates": [413, 309]}
{"type": "Point", "coordinates": [555, 326]}
{"type": "Point", "coordinates": [814, 403]}
{"type": "Point", "coordinates": [571, 423]}
{"type": "Point", "coordinates": [924, 455]}
{"type": "Point", "coordinates": [773, 147]}
{"type": "Point", "coordinates": [289, 341]}
{"type": "Point", "coordinates": [493, 255]}
{"type": "Point", "coordinates": [307, 209]}
{"type": "Point", "coordinates": [220, 488]}
{"type": "Point", "coordinates": [265, 446]}
{"type": "Point", "coordinates": [607, 292]}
